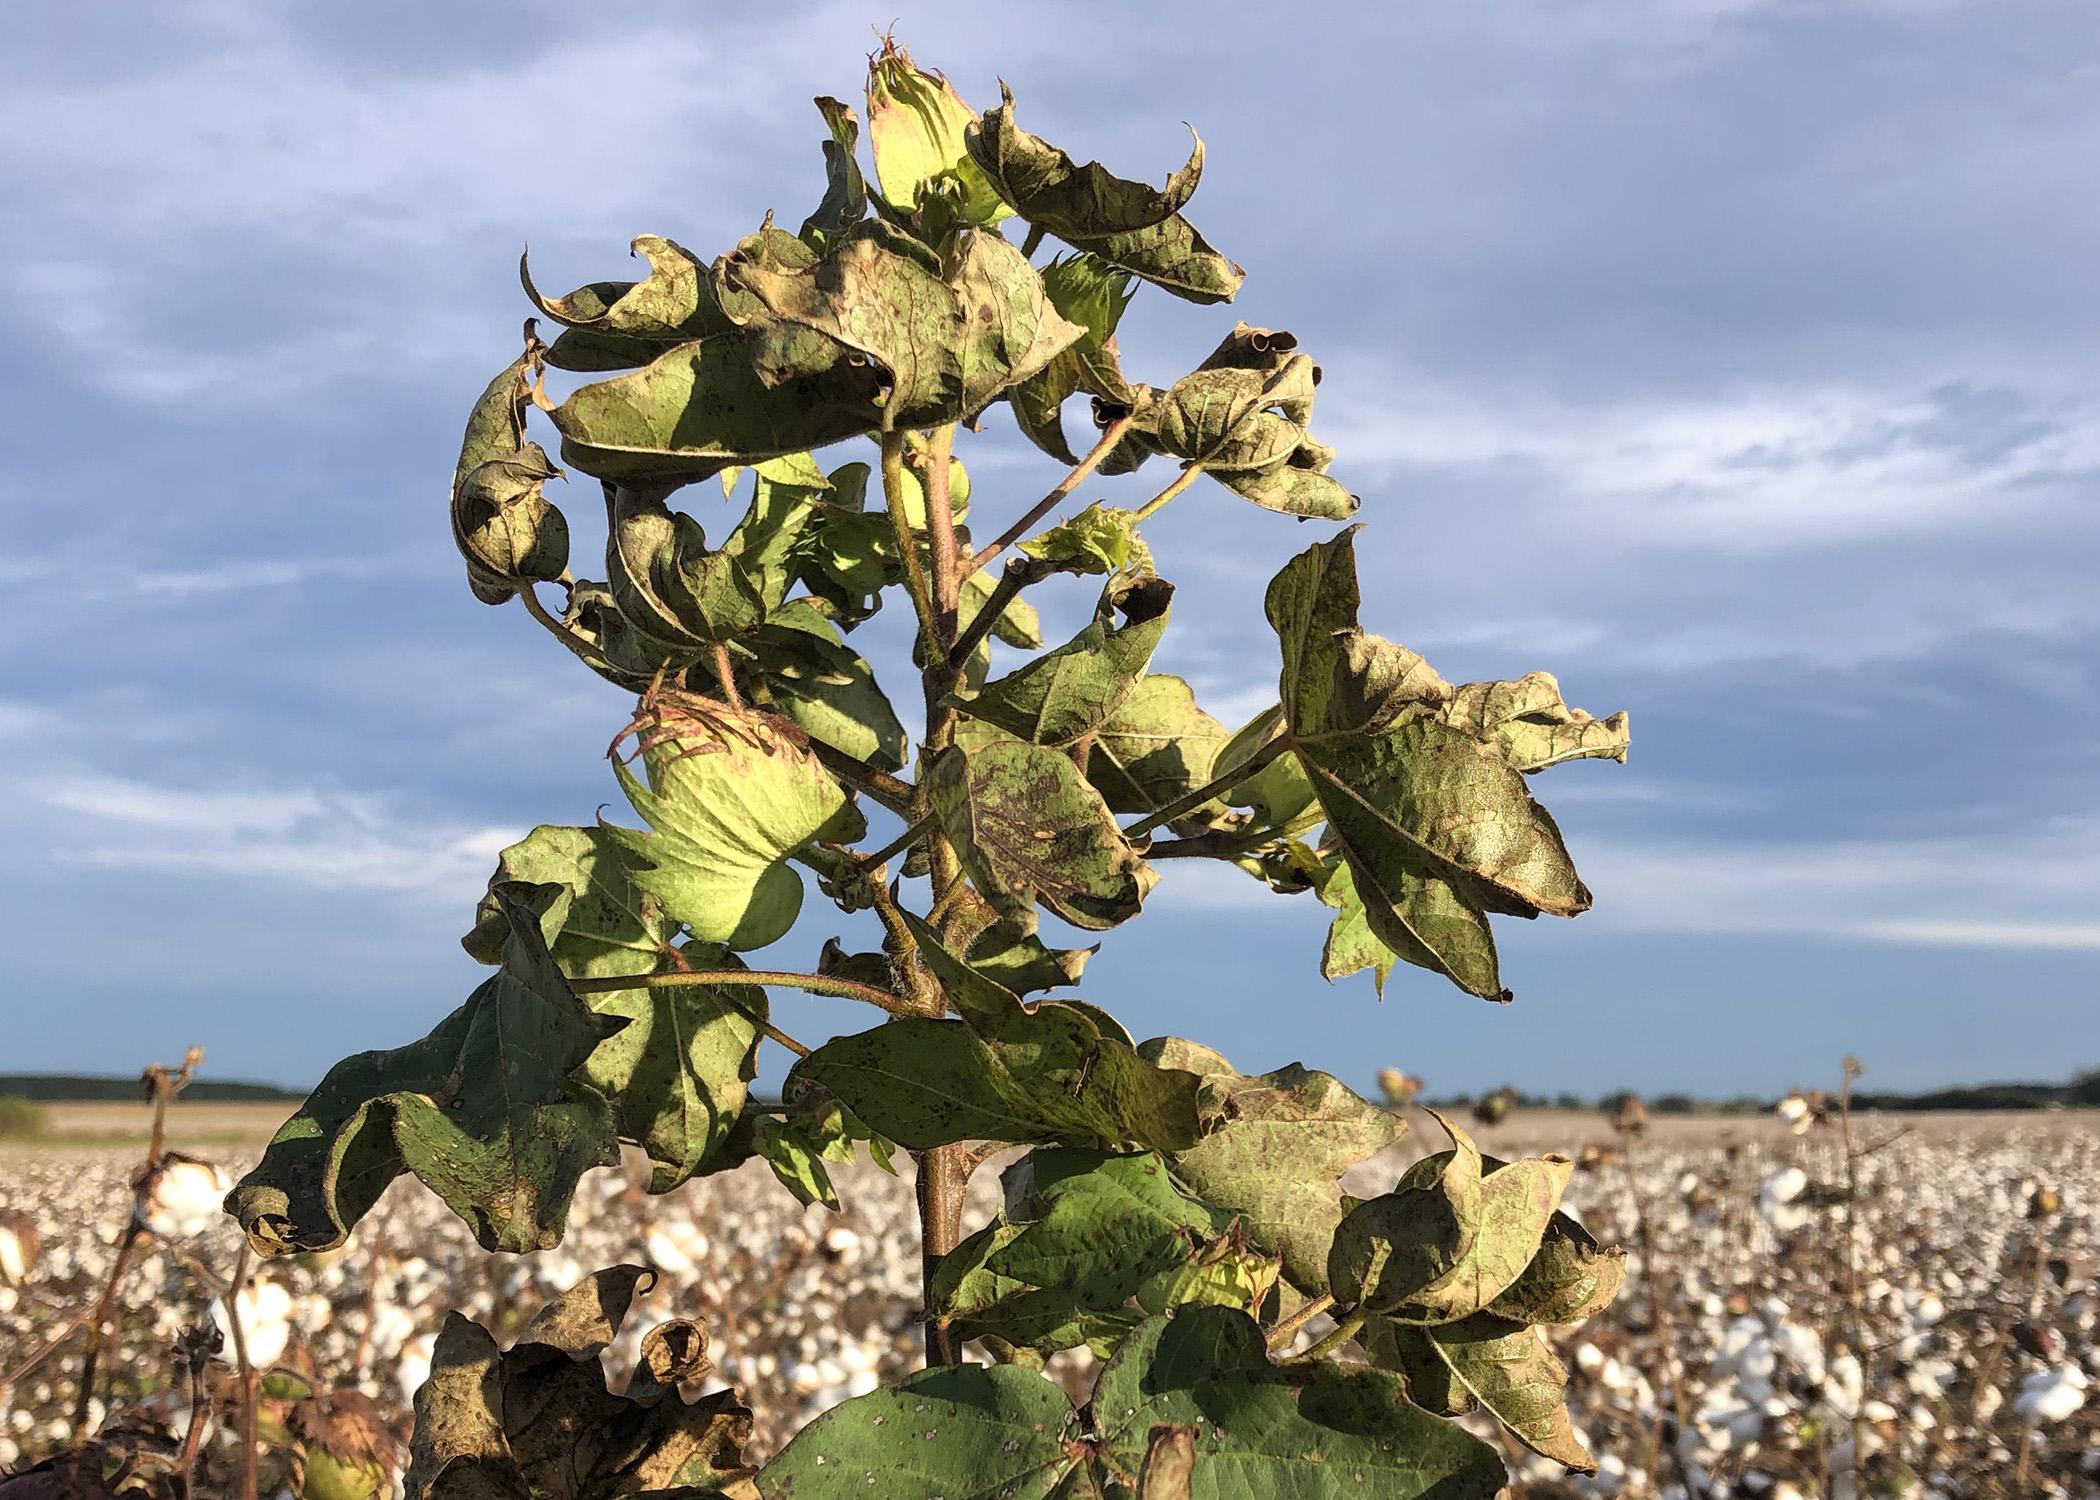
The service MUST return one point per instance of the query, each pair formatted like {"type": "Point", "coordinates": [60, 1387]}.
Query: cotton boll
{"type": "Point", "coordinates": [265, 1310]}
{"type": "Point", "coordinates": [183, 1199]}
{"type": "Point", "coordinates": [414, 1367]}
{"type": "Point", "coordinates": [2049, 1396]}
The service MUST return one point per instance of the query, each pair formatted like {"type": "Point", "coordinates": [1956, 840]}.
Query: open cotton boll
{"type": "Point", "coordinates": [265, 1310]}
{"type": "Point", "coordinates": [17, 1254]}
{"type": "Point", "coordinates": [1776, 1203]}
{"type": "Point", "coordinates": [415, 1365]}
{"type": "Point", "coordinates": [184, 1199]}
{"type": "Point", "coordinates": [2048, 1396]}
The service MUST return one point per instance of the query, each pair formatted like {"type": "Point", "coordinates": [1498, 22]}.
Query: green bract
{"type": "Point", "coordinates": [1183, 1220]}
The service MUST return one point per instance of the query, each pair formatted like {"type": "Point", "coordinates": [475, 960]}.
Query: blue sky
{"type": "Point", "coordinates": [1732, 359]}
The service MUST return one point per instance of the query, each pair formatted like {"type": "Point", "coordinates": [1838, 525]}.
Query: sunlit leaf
{"type": "Point", "coordinates": [1512, 1371]}
{"type": "Point", "coordinates": [916, 124]}
{"type": "Point", "coordinates": [728, 796]}
{"type": "Point", "coordinates": [1050, 190]}
{"type": "Point", "coordinates": [1029, 829]}
{"type": "Point", "coordinates": [1062, 696]}
{"type": "Point", "coordinates": [1274, 1152]}
{"type": "Point", "coordinates": [1157, 746]}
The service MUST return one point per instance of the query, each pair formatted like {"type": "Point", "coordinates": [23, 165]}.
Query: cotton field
{"type": "Point", "coordinates": [1947, 1348]}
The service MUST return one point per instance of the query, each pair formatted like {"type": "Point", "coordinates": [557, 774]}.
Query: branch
{"type": "Point", "coordinates": [907, 539]}
{"type": "Point", "coordinates": [1286, 1329]}
{"type": "Point", "coordinates": [1188, 802]}
{"type": "Point", "coordinates": [560, 630]}
{"type": "Point", "coordinates": [892, 792]}
{"type": "Point", "coordinates": [815, 984]}
{"type": "Point", "coordinates": [1160, 501]}
{"type": "Point", "coordinates": [1110, 436]}
{"type": "Point", "coordinates": [1020, 573]}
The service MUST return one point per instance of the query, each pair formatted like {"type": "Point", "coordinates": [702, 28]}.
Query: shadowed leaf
{"type": "Point", "coordinates": [1062, 696]}
{"type": "Point", "coordinates": [490, 1111]}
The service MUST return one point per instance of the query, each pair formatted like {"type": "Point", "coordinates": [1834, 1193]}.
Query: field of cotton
{"type": "Point", "coordinates": [1931, 1333]}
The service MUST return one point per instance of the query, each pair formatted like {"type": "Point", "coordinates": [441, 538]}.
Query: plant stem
{"type": "Point", "coordinates": [246, 1371]}
{"type": "Point", "coordinates": [1111, 435]}
{"type": "Point", "coordinates": [1019, 573]}
{"type": "Point", "coordinates": [892, 792]}
{"type": "Point", "coordinates": [907, 538]}
{"type": "Point", "coordinates": [560, 630]}
{"type": "Point", "coordinates": [940, 536]}
{"type": "Point", "coordinates": [1188, 802]}
{"type": "Point", "coordinates": [940, 1193]}
{"type": "Point", "coordinates": [815, 984]}
{"type": "Point", "coordinates": [1165, 497]}
{"type": "Point", "coordinates": [1287, 1328]}
{"type": "Point", "coordinates": [725, 673]}
{"type": "Point", "coordinates": [896, 846]}
{"type": "Point", "coordinates": [1334, 1339]}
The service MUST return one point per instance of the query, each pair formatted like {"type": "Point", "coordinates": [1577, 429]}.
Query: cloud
{"type": "Point", "coordinates": [320, 839]}
{"type": "Point", "coordinates": [1743, 473]}
{"type": "Point", "coordinates": [2031, 891]}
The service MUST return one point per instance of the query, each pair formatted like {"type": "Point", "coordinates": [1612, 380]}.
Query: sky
{"type": "Point", "coordinates": [1732, 359]}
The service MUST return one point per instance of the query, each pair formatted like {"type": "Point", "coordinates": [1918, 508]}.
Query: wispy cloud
{"type": "Point", "coordinates": [2031, 890]}
{"type": "Point", "coordinates": [317, 838]}
{"type": "Point", "coordinates": [1747, 472]}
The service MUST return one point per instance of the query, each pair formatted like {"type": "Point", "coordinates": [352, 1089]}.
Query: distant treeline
{"type": "Point", "coordinates": [85, 1088]}
{"type": "Point", "coordinates": [2083, 1091]}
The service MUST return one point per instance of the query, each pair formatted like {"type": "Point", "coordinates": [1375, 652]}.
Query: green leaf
{"type": "Point", "coordinates": [1570, 1278]}
{"type": "Point", "coordinates": [916, 124]}
{"type": "Point", "coordinates": [1275, 1150]}
{"type": "Point", "coordinates": [845, 193]}
{"type": "Point", "coordinates": [1060, 1266]}
{"type": "Point", "coordinates": [1100, 539]}
{"type": "Point", "coordinates": [1061, 697]}
{"type": "Point", "coordinates": [1242, 414]}
{"type": "Point", "coordinates": [490, 1110]}
{"type": "Point", "coordinates": [1279, 793]}
{"type": "Point", "coordinates": [595, 922]}
{"type": "Point", "coordinates": [704, 406]}
{"type": "Point", "coordinates": [1513, 1372]}
{"type": "Point", "coordinates": [786, 505]}
{"type": "Point", "coordinates": [728, 798]}
{"type": "Point", "coordinates": [1092, 294]}
{"type": "Point", "coordinates": [1054, 193]}
{"type": "Point", "coordinates": [1422, 783]}
{"type": "Point", "coordinates": [1417, 1240]}
{"type": "Point", "coordinates": [826, 689]}
{"type": "Point", "coordinates": [619, 325]}
{"type": "Point", "coordinates": [1021, 962]}
{"type": "Point", "coordinates": [1157, 746]}
{"type": "Point", "coordinates": [1047, 1074]}
{"type": "Point", "coordinates": [1312, 1435]}
{"type": "Point", "coordinates": [537, 1422]}
{"type": "Point", "coordinates": [1172, 256]}
{"type": "Point", "coordinates": [667, 582]}
{"type": "Point", "coordinates": [1028, 828]}
{"type": "Point", "coordinates": [958, 1431]}
{"type": "Point", "coordinates": [510, 534]}
{"type": "Point", "coordinates": [1351, 945]}
{"type": "Point", "coordinates": [949, 343]}
{"type": "Point", "coordinates": [678, 1071]}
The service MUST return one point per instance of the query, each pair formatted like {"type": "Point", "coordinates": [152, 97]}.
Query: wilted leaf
{"type": "Point", "coordinates": [1351, 945]}
{"type": "Point", "coordinates": [845, 194]}
{"type": "Point", "coordinates": [1274, 1151]}
{"type": "Point", "coordinates": [1513, 1372]}
{"type": "Point", "coordinates": [1054, 193]}
{"type": "Point", "coordinates": [1571, 1277]}
{"type": "Point", "coordinates": [949, 343]}
{"type": "Point", "coordinates": [1421, 782]}
{"type": "Point", "coordinates": [667, 582]}
{"type": "Point", "coordinates": [537, 1422]}
{"type": "Point", "coordinates": [729, 796]}
{"type": "Point", "coordinates": [1172, 256]}
{"type": "Point", "coordinates": [619, 324]}
{"type": "Point", "coordinates": [596, 921]}
{"type": "Point", "coordinates": [490, 1110]}
{"type": "Point", "coordinates": [1022, 962]}
{"type": "Point", "coordinates": [1059, 698]}
{"type": "Point", "coordinates": [1242, 414]}
{"type": "Point", "coordinates": [506, 529]}
{"type": "Point", "coordinates": [1413, 1241]}
{"type": "Point", "coordinates": [1029, 828]}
